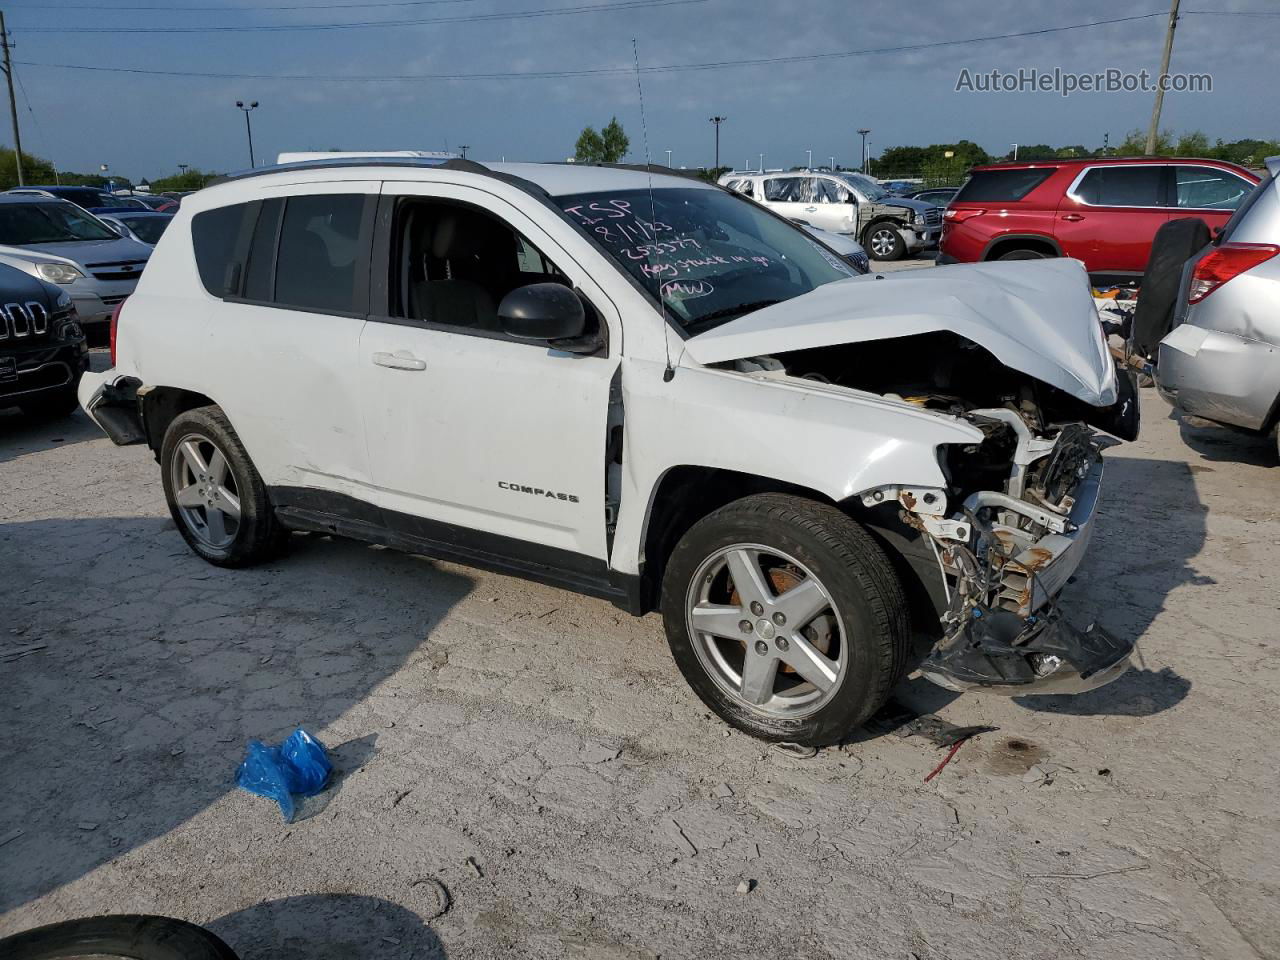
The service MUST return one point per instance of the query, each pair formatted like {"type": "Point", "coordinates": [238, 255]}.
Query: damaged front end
{"type": "Point", "coordinates": [1004, 556]}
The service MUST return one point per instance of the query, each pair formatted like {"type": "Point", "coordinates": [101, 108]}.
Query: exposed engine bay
{"type": "Point", "coordinates": [1012, 523]}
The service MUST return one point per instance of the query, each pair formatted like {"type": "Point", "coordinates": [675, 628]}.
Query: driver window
{"type": "Point", "coordinates": [455, 263]}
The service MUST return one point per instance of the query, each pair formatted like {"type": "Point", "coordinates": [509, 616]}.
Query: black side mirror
{"type": "Point", "coordinates": [542, 311]}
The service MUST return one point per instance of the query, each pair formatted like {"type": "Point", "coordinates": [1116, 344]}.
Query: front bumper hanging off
{"type": "Point", "coordinates": [1004, 631]}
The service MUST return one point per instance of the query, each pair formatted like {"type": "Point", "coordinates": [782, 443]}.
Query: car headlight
{"type": "Point", "coordinates": [58, 272]}
{"type": "Point", "coordinates": [919, 217]}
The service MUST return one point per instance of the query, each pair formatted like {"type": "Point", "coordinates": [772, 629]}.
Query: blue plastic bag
{"type": "Point", "coordinates": [298, 766]}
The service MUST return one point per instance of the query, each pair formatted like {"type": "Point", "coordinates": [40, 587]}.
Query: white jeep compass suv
{"type": "Point", "coordinates": [648, 389]}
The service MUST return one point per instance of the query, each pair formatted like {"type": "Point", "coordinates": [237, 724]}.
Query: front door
{"type": "Point", "coordinates": [491, 443]}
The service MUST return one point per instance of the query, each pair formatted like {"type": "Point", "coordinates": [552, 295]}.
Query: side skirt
{"type": "Point", "coordinates": [320, 511]}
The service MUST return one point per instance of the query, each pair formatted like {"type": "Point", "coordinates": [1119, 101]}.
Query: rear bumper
{"type": "Point", "coordinates": [1219, 376]}
{"type": "Point", "coordinates": [111, 402]}
{"type": "Point", "coordinates": [1017, 642]}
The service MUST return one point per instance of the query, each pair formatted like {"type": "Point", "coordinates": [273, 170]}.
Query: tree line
{"type": "Point", "coordinates": [39, 172]}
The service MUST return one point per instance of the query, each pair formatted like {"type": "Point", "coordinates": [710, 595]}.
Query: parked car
{"type": "Point", "coordinates": [42, 348]}
{"type": "Point", "coordinates": [160, 204]}
{"type": "Point", "coordinates": [1101, 211]}
{"type": "Point", "coordinates": [58, 241]}
{"type": "Point", "coordinates": [850, 250]}
{"type": "Point", "coordinates": [846, 203]}
{"type": "Point", "coordinates": [86, 197]}
{"type": "Point", "coordinates": [1221, 359]}
{"type": "Point", "coordinates": [584, 375]}
{"type": "Point", "coordinates": [145, 226]}
{"type": "Point", "coordinates": [938, 196]}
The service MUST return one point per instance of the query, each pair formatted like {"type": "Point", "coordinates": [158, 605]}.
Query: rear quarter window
{"type": "Point", "coordinates": [214, 237]}
{"type": "Point", "coordinates": [987, 186]}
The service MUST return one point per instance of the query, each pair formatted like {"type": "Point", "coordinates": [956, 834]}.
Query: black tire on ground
{"type": "Point", "coordinates": [131, 936]}
{"type": "Point", "coordinates": [59, 403]}
{"type": "Point", "coordinates": [887, 229]}
{"type": "Point", "coordinates": [848, 562]}
{"type": "Point", "coordinates": [259, 536]}
{"type": "Point", "coordinates": [1024, 254]}
{"type": "Point", "coordinates": [1174, 244]}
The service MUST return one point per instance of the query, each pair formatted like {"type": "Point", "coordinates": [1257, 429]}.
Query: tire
{"type": "Point", "coordinates": [1174, 244]}
{"type": "Point", "coordinates": [131, 936]}
{"type": "Point", "coordinates": [60, 403]}
{"type": "Point", "coordinates": [247, 531]}
{"type": "Point", "coordinates": [891, 245]}
{"type": "Point", "coordinates": [865, 627]}
{"type": "Point", "coordinates": [1024, 254]}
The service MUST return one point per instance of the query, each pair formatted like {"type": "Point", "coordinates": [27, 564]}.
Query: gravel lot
{"type": "Point", "coordinates": [536, 754]}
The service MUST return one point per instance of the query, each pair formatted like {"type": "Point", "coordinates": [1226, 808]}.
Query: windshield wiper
{"type": "Point", "coordinates": [736, 310]}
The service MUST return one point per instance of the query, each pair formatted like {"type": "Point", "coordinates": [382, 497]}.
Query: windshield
{"type": "Point", "coordinates": [708, 255]}
{"type": "Point", "coordinates": [864, 185]}
{"type": "Point", "coordinates": [147, 229]}
{"type": "Point", "coordinates": [54, 222]}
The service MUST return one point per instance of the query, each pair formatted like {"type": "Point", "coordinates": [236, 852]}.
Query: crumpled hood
{"type": "Point", "coordinates": [1035, 316]}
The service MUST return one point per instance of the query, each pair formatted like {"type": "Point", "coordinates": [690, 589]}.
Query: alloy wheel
{"type": "Point", "coordinates": [766, 630]}
{"type": "Point", "coordinates": [205, 491]}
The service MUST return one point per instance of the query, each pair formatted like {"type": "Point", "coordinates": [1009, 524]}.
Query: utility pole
{"type": "Point", "coordinates": [863, 133]}
{"type": "Point", "coordinates": [1164, 72]}
{"type": "Point", "coordinates": [13, 103]}
{"type": "Point", "coordinates": [247, 128]}
{"type": "Point", "coordinates": [717, 121]}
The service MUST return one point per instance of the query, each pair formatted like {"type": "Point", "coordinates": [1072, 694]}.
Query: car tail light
{"type": "Point", "coordinates": [1227, 261]}
{"type": "Point", "coordinates": [960, 215]}
{"type": "Point", "coordinates": [115, 326]}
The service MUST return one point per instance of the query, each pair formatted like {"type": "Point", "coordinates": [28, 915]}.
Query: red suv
{"type": "Point", "coordinates": [1103, 211]}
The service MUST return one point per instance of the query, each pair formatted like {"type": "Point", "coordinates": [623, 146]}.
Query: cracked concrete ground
{"type": "Point", "coordinates": [524, 773]}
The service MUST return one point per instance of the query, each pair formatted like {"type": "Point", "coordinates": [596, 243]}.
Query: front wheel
{"type": "Point", "coordinates": [127, 936]}
{"type": "Point", "coordinates": [884, 242]}
{"type": "Point", "coordinates": [786, 618]}
{"type": "Point", "coordinates": [215, 494]}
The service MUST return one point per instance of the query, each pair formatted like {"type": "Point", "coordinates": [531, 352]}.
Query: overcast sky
{"type": "Point", "coordinates": [143, 126]}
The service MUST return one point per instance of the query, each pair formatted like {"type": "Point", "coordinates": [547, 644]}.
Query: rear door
{"type": "Point", "coordinates": [280, 357]}
{"type": "Point", "coordinates": [789, 196]}
{"type": "Point", "coordinates": [1211, 193]}
{"type": "Point", "coordinates": [1110, 213]}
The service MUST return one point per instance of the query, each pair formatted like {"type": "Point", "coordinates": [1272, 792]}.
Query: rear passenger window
{"type": "Point", "coordinates": [988, 186]}
{"type": "Point", "coordinates": [787, 190]}
{"type": "Point", "coordinates": [319, 247]}
{"type": "Point", "coordinates": [1205, 188]}
{"type": "Point", "coordinates": [213, 236]}
{"type": "Point", "coordinates": [1123, 186]}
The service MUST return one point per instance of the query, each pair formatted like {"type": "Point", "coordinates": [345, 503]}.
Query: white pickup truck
{"type": "Point", "coordinates": [643, 388]}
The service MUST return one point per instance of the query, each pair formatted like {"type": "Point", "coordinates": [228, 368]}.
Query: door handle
{"type": "Point", "coordinates": [400, 360]}
{"type": "Point", "coordinates": [1073, 217]}
{"type": "Point", "coordinates": [810, 209]}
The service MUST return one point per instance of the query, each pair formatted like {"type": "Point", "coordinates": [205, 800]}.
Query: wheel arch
{"type": "Point", "coordinates": [896, 222]}
{"type": "Point", "coordinates": [1007, 242]}
{"type": "Point", "coordinates": [160, 405]}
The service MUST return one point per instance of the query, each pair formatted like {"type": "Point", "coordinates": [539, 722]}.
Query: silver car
{"type": "Point", "coordinates": [57, 241]}
{"type": "Point", "coordinates": [1221, 359]}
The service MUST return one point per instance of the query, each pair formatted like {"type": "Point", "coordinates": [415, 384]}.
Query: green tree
{"type": "Point", "coordinates": [35, 170]}
{"type": "Point", "coordinates": [192, 179]}
{"type": "Point", "coordinates": [606, 146]}
{"type": "Point", "coordinates": [1192, 144]}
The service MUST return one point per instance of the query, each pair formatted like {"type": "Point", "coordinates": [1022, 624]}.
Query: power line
{"type": "Point", "coordinates": [596, 71]}
{"type": "Point", "coordinates": [45, 8]}
{"type": "Point", "coordinates": [362, 24]}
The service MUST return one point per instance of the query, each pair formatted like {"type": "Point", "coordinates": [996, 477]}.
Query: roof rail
{"type": "Point", "coordinates": [420, 163]}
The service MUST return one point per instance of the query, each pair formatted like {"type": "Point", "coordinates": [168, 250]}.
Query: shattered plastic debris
{"type": "Point", "coordinates": [299, 766]}
{"type": "Point", "coordinates": [938, 731]}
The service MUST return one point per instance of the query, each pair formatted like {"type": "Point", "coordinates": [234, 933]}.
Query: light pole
{"type": "Point", "coordinates": [717, 121]}
{"type": "Point", "coordinates": [1015, 151]}
{"type": "Point", "coordinates": [247, 128]}
{"type": "Point", "coordinates": [809, 163]}
{"type": "Point", "coordinates": [832, 167]}
{"type": "Point", "coordinates": [762, 163]}
{"type": "Point", "coordinates": [183, 168]}
{"type": "Point", "coordinates": [103, 168]}
{"type": "Point", "coordinates": [464, 147]}
{"type": "Point", "coordinates": [862, 132]}
{"type": "Point", "coordinates": [668, 159]}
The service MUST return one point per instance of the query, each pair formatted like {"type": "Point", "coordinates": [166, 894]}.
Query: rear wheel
{"type": "Point", "coordinates": [125, 936]}
{"type": "Point", "coordinates": [1024, 254]}
{"type": "Point", "coordinates": [786, 618]}
{"type": "Point", "coordinates": [884, 242]}
{"type": "Point", "coordinates": [215, 494]}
